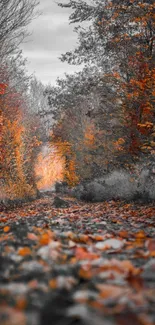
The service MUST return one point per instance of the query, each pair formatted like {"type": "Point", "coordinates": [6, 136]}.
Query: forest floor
{"type": "Point", "coordinates": [89, 263]}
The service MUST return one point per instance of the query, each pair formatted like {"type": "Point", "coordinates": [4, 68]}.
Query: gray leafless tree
{"type": "Point", "coordinates": [15, 15]}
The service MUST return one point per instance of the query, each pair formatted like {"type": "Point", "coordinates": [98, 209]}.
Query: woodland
{"type": "Point", "coordinates": [77, 170]}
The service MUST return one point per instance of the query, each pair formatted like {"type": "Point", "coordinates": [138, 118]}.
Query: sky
{"type": "Point", "coordinates": [51, 35]}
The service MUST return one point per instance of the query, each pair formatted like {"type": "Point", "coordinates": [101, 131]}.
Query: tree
{"type": "Point", "coordinates": [39, 104]}
{"type": "Point", "coordinates": [116, 28]}
{"type": "Point", "coordinates": [15, 15]}
{"type": "Point", "coordinates": [20, 132]}
{"type": "Point", "coordinates": [120, 41]}
{"type": "Point", "coordinates": [86, 108]}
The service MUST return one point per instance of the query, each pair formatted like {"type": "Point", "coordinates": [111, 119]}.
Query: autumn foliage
{"type": "Point", "coordinates": [19, 126]}
{"type": "Point", "coordinates": [100, 119]}
{"type": "Point", "coordinates": [18, 142]}
{"type": "Point", "coordinates": [66, 155]}
{"type": "Point", "coordinates": [49, 168]}
{"type": "Point", "coordinates": [107, 111]}
{"type": "Point", "coordinates": [131, 44]}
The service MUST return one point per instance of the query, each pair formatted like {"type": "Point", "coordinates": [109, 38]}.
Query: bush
{"type": "Point", "coordinates": [146, 183]}
{"type": "Point", "coordinates": [119, 184]}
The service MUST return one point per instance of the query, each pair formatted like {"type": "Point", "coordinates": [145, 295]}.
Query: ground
{"type": "Point", "coordinates": [84, 264]}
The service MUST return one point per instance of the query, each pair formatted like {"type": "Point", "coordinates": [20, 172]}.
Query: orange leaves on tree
{"type": "Point", "coordinates": [150, 245]}
{"type": "Point", "coordinates": [136, 79]}
{"type": "Point", "coordinates": [65, 152]}
{"type": "Point", "coordinates": [3, 87]}
{"type": "Point", "coordinates": [70, 173]}
{"type": "Point", "coordinates": [16, 145]}
{"type": "Point", "coordinates": [49, 168]}
{"type": "Point", "coordinates": [119, 144]}
{"type": "Point", "coordinates": [116, 75]}
{"type": "Point", "coordinates": [139, 99]}
{"type": "Point", "coordinates": [89, 136]}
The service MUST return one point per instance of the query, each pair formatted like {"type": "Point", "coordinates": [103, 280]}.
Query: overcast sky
{"type": "Point", "coordinates": [51, 36]}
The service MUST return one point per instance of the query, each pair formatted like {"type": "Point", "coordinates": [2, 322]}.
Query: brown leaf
{"type": "Point", "coordinates": [111, 291]}
{"type": "Point", "coordinates": [85, 272]}
{"type": "Point", "coordinates": [140, 234]}
{"type": "Point", "coordinates": [150, 245]}
{"type": "Point", "coordinates": [6, 229]}
{"type": "Point", "coordinates": [21, 303]}
{"type": "Point", "coordinates": [24, 251]}
{"type": "Point", "coordinates": [82, 254]}
{"type": "Point", "coordinates": [32, 236]}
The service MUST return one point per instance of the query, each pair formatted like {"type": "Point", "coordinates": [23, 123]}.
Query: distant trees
{"type": "Point", "coordinates": [88, 116]}
{"type": "Point", "coordinates": [39, 104]}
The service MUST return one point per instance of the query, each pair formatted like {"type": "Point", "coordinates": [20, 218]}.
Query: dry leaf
{"type": "Point", "coordinates": [24, 251]}
{"type": "Point", "coordinates": [6, 229]}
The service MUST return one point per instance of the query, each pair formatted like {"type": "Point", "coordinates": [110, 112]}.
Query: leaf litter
{"type": "Point", "coordinates": [84, 264]}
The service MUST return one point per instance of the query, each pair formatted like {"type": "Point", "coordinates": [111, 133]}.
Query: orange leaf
{"type": "Point", "coordinates": [6, 229]}
{"type": "Point", "coordinates": [82, 254]}
{"type": "Point", "coordinates": [21, 303]}
{"type": "Point", "coordinates": [140, 234]}
{"type": "Point", "coordinates": [32, 236]}
{"type": "Point", "coordinates": [24, 251]}
{"type": "Point", "coordinates": [85, 272]}
{"type": "Point", "coordinates": [123, 234]}
{"type": "Point", "coordinates": [109, 291]}
{"type": "Point", "coordinates": [53, 284]}
{"type": "Point", "coordinates": [45, 239]}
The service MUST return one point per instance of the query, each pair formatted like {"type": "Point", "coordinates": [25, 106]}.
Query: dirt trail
{"type": "Point", "coordinates": [84, 264]}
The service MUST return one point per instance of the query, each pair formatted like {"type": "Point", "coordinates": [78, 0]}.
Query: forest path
{"type": "Point", "coordinates": [90, 263]}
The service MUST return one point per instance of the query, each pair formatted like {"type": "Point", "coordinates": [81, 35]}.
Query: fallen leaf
{"type": "Point", "coordinates": [123, 234]}
{"type": "Point", "coordinates": [6, 229]}
{"type": "Point", "coordinates": [33, 284]}
{"type": "Point", "coordinates": [32, 236]}
{"type": "Point", "coordinates": [85, 272]}
{"type": "Point", "coordinates": [140, 234]}
{"type": "Point", "coordinates": [53, 283]}
{"type": "Point", "coordinates": [110, 243]}
{"type": "Point", "coordinates": [24, 251]}
{"type": "Point", "coordinates": [14, 316]}
{"type": "Point", "coordinates": [71, 244]}
{"type": "Point", "coordinates": [21, 303]}
{"type": "Point", "coordinates": [107, 291]}
{"type": "Point", "coordinates": [82, 254]}
{"type": "Point", "coordinates": [44, 239]}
